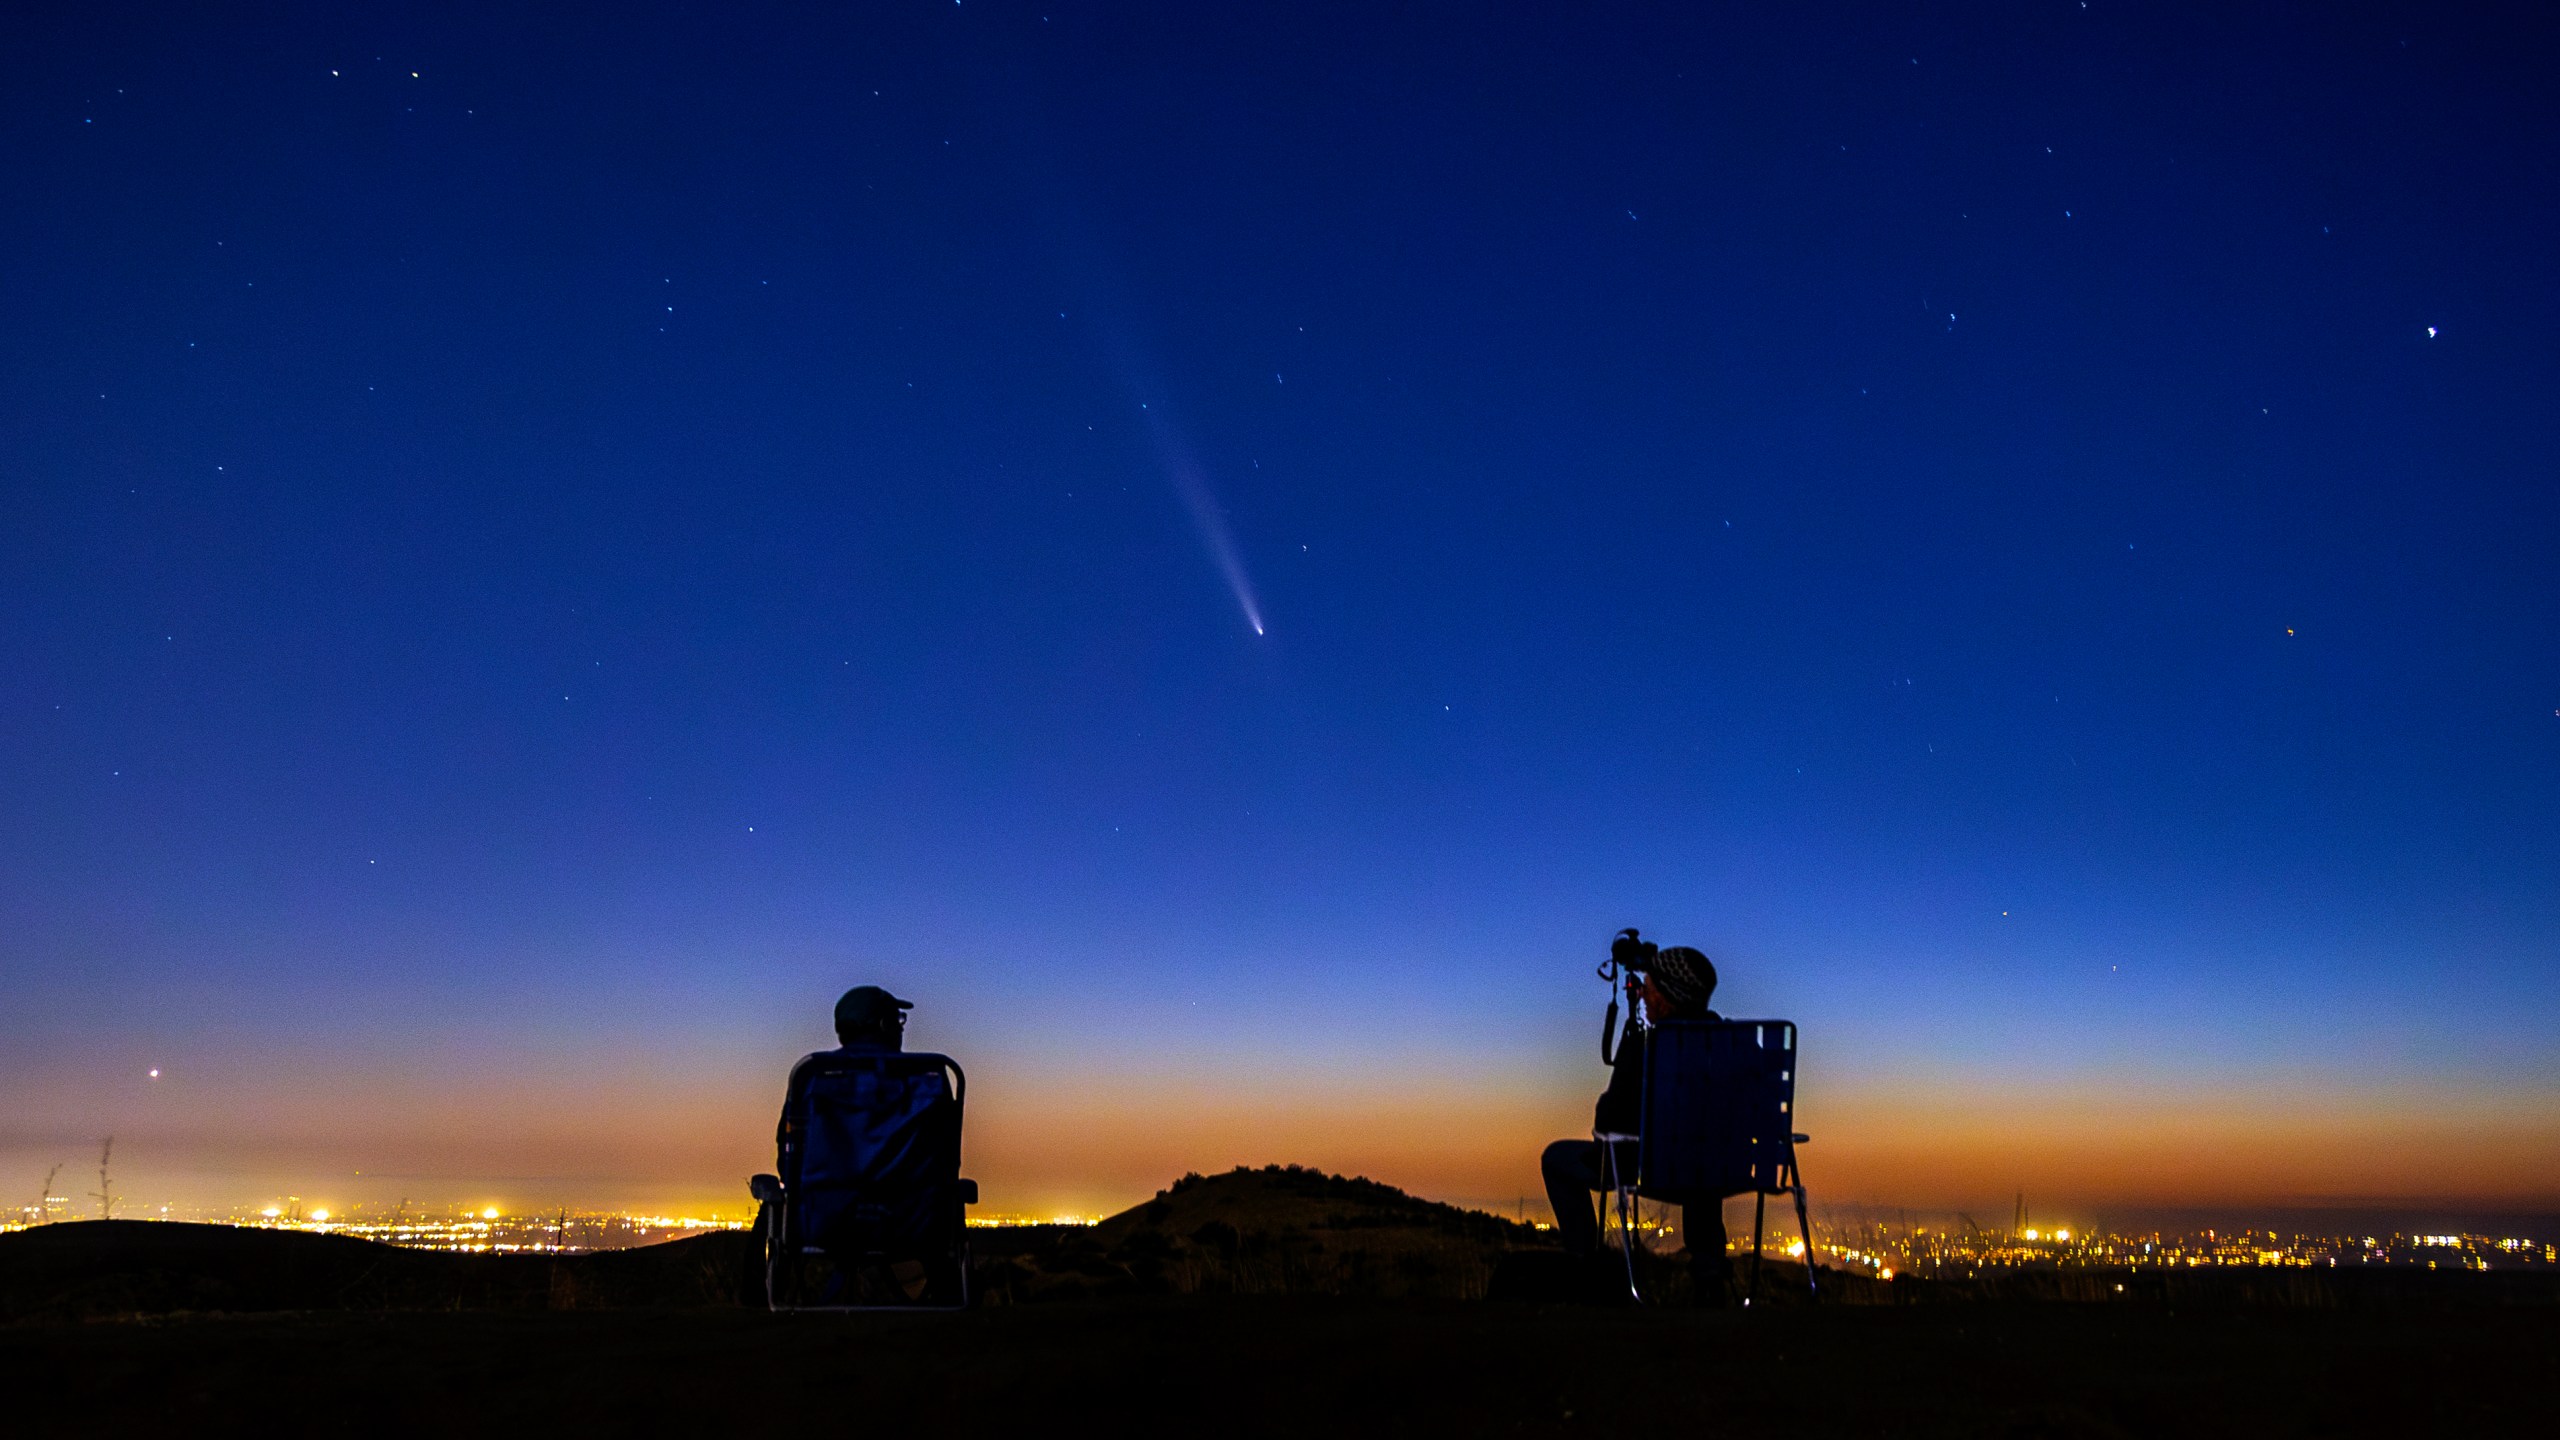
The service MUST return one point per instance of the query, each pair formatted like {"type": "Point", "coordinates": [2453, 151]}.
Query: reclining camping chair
{"type": "Point", "coordinates": [869, 1211]}
{"type": "Point", "coordinates": [1718, 1120]}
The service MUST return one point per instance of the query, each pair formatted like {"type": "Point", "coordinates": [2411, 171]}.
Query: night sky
{"type": "Point", "coordinates": [1223, 550]}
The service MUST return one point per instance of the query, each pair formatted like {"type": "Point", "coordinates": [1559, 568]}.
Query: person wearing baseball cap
{"type": "Point", "coordinates": [868, 1020]}
{"type": "Point", "coordinates": [868, 1017]}
{"type": "Point", "coordinates": [920, 1110]}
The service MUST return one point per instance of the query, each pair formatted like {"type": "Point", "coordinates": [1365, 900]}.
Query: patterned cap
{"type": "Point", "coordinates": [1686, 977]}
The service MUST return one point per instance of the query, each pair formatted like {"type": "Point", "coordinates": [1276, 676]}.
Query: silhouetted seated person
{"type": "Point", "coordinates": [1666, 983]}
{"type": "Point", "coordinates": [870, 1022]}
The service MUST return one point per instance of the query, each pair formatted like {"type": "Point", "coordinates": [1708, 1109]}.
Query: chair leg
{"type": "Point", "coordinates": [770, 1223]}
{"type": "Point", "coordinates": [1759, 1219]}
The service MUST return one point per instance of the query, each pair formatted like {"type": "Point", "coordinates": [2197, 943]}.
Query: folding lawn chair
{"type": "Point", "coordinates": [1718, 1120]}
{"type": "Point", "coordinates": [869, 1211]}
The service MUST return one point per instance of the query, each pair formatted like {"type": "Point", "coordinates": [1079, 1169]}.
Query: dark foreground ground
{"type": "Point", "coordinates": [1269, 1302]}
{"type": "Point", "coordinates": [1273, 1366]}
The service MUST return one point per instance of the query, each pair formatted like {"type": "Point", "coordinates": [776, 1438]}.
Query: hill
{"type": "Point", "coordinates": [1278, 1230]}
{"type": "Point", "coordinates": [1278, 1197]}
{"type": "Point", "coordinates": [95, 1268]}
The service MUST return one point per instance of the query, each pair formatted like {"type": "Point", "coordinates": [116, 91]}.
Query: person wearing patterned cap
{"type": "Point", "coordinates": [1671, 982]}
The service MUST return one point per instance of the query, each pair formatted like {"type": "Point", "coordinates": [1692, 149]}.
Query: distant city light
{"type": "Point", "coordinates": [1885, 1251]}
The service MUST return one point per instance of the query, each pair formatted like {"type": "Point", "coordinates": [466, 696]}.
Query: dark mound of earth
{"type": "Point", "coordinates": [1278, 1230]}
{"type": "Point", "coordinates": [1289, 1230]}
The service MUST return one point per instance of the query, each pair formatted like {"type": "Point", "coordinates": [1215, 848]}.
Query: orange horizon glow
{"type": "Point", "coordinates": [1040, 1146]}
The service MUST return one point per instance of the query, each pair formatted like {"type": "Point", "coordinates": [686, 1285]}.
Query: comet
{"type": "Point", "coordinates": [1141, 381]}
{"type": "Point", "coordinates": [1191, 484]}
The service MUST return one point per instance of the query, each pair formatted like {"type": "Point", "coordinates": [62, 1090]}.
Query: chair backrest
{"type": "Point", "coordinates": [870, 1153]}
{"type": "Point", "coordinates": [1719, 1107]}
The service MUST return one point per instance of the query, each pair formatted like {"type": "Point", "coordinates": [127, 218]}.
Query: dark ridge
{"type": "Point", "coordinates": [1275, 1231]}
{"type": "Point", "coordinates": [95, 1268]}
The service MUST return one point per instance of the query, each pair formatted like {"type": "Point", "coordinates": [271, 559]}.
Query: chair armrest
{"type": "Point", "coordinates": [968, 1192]}
{"type": "Point", "coordinates": [1799, 1139]}
{"type": "Point", "coordinates": [766, 1188]}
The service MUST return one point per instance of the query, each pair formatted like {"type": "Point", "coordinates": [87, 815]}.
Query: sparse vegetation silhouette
{"type": "Point", "coordinates": [44, 1196]}
{"type": "Point", "coordinates": [105, 1194]}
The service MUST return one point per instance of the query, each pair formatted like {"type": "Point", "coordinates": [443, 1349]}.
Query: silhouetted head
{"type": "Point", "coordinates": [1683, 979]}
{"type": "Point", "coordinates": [869, 1015]}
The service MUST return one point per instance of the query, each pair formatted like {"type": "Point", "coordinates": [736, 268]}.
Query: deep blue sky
{"type": "Point", "coordinates": [534, 552]}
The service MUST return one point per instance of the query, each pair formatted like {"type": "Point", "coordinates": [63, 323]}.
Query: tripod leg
{"type": "Point", "coordinates": [1618, 1197]}
{"type": "Point", "coordinates": [1805, 1228]}
{"type": "Point", "coordinates": [1627, 1242]}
